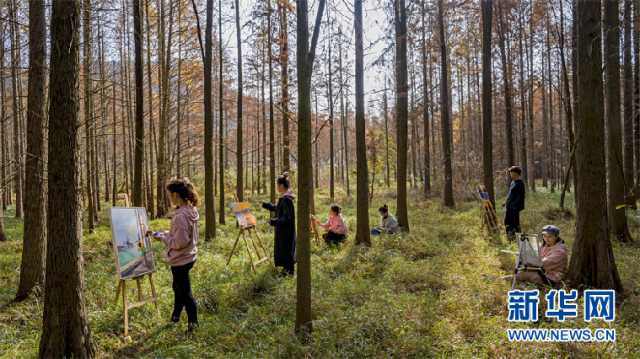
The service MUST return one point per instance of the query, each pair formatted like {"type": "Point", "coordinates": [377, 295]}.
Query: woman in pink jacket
{"type": "Point", "coordinates": [181, 243]}
{"type": "Point", "coordinates": [553, 255]}
{"type": "Point", "coordinates": [335, 226]}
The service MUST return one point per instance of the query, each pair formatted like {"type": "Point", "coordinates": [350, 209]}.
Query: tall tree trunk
{"type": "Point", "coordinates": [221, 146]}
{"type": "Point", "coordinates": [88, 108]}
{"type": "Point", "coordinates": [487, 132]}
{"type": "Point", "coordinates": [592, 262]}
{"type": "Point", "coordinates": [627, 83]}
{"type": "Point", "coordinates": [523, 102]}
{"type": "Point", "coordinates": [362, 218]}
{"type": "Point", "coordinates": [284, 73]}
{"type": "Point", "coordinates": [636, 92]}
{"type": "Point", "coordinates": [150, 158]}
{"type": "Point", "coordinates": [444, 110]}
{"type": "Point", "coordinates": [139, 136]}
{"type": "Point", "coordinates": [568, 106]}
{"type": "Point", "coordinates": [387, 177]}
{"type": "Point", "coordinates": [32, 264]}
{"type": "Point", "coordinates": [239, 146]}
{"type": "Point", "coordinates": [15, 63]}
{"type": "Point", "coordinates": [402, 115]}
{"type": "Point", "coordinates": [615, 171]}
{"type": "Point", "coordinates": [425, 111]}
{"type": "Point", "coordinates": [209, 195]}
{"type": "Point", "coordinates": [506, 75]}
{"type": "Point", "coordinates": [65, 329]}
{"type": "Point", "coordinates": [330, 100]}
{"type": "Point", "coordinates": [305, 55]}
{"type": "Point", "coordinates": [272, 153]}
{"type": "Point", "coordinates": [344, 118]}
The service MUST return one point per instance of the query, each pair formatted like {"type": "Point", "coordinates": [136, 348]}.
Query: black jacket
{"type": "Point", "coordinates": [285, 226]}
{"type": "Point", "coordinates": [516, 196]}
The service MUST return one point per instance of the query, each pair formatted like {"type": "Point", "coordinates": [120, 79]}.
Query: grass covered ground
{"type": "Point", "coordinates": [436, 292]}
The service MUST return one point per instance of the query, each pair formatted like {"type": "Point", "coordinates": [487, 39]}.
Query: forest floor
{"type": "Point", "coordinates": [436, 292]}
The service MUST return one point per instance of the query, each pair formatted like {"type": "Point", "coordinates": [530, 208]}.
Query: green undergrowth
{"type": "Point", "coordinates": [435, 292]}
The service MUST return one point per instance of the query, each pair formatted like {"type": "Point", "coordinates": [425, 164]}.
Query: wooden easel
{"type": "Point", "coordinates": [122, 290]}
{"type": "Point", "coordinates": [314, 229]}
{"type": "Point", "coordinates": [253, 237]}
{"type": "Point", "coordinates": [488, 213]}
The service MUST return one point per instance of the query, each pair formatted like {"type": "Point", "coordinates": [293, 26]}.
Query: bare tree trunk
{"type": "Point", "coordinates": [627, 83]}
{"type": "Point", "coordinates": [523, 101]}
{"type": "Point", "coordinates": [402, 116]}
{"type": "Point", "coordinates": [139, 136]}
{"type": "Point", "coordinates": [592, 262]}
{"type": "Point", "coordinates": [345, 119]}
{"type": "Point", "coordinates": [88, 108]}
{"type": "Point", "coordinates": [487, 132]}
{"type": "Point", "coordinates": [284, 72]}
{"type": "Point", "coordinates": [150, 158]}
{"type": "Point", "coordinates": [65, 330]}
{"type": "Point", "coordinates": [444, 110]}
{"type": "Point", "coordinates": [272, 154]}
{"type": "Point", "coordinates": [425, 111]}
{"type": "Point", "coordinates": [239, 146]}
{"type": "Point", "coordinates": [506, 74]}
{"type": "Point", "coordinates": [221, 146]}
{"type": "Point", "coordinates": [33, 249]}
{"type": "Point", "coordinates": [305, 55]}
{"type": "Point", "coordinates": [15, 63]}
{"type": "Point", "coordinates": [362, 218]}
{"type": "Point", "coordinates": [568, 105]}
{"type": "Point", "coordinates": [330, 100]}
{"type": "Point", "coordinates": [615, 171]}
{"type": "Point", "coordinates": [209, 199]}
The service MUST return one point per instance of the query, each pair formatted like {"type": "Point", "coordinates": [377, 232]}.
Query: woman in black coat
{"type": "Point", "coordinates": [285, 225]}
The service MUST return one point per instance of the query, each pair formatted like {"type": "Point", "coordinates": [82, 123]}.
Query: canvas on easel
{"type": "Point", "coordinates": [247, 231]}
{"type": "Point", "coordinates": [133, 256]}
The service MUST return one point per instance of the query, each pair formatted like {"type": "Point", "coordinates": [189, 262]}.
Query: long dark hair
{"type": "Point", "coordinates": [184, 188]}
{"type": "Point", "coordinates": [384, 209]}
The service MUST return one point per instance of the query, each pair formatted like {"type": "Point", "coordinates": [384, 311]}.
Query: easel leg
{"type": "Point", "coordinates": [248, 251]}
{"type": "Point", "coordinates": [253, 243]}
{"type": "Point", "coordinates": [118, 291]}
{"type": "Point", "coordinates": [125, 309]}
{"type": "Point", "coordinates": [264, 251]}
{"type": "Point", "coordinates": [153, 293]}
{"type": "Point", "coordinates": [139, 285]}
{"type": "Point", "coordinates": [234, 247]}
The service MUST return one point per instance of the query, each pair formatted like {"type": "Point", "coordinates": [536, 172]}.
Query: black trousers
{"type": "Point", "coordinates": [512, 221]}
{"type": "Point", "coordinates": [182, 293]}
{"type": "Point", "coordinates": [333, 238]}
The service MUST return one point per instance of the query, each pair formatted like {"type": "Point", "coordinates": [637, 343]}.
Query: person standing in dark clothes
{"type": "Point", "coordinates": [284, 222]}
{"type": "Point", "coordinates": [515, 202]}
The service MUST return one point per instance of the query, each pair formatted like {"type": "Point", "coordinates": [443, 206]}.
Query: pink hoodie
{"type": "Point", "coordinates": [182, 239]}
{"type": "Point", "coordinates": [554, 261]}
{"type": "Point", "coordinates": [335, 224]}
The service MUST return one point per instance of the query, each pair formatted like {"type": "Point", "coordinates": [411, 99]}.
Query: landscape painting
{"type": "Point", "coordinates": [132, 247]}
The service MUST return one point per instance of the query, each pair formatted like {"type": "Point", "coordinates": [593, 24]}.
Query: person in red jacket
{"type": "Point", "coordinates": [181, 243]}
